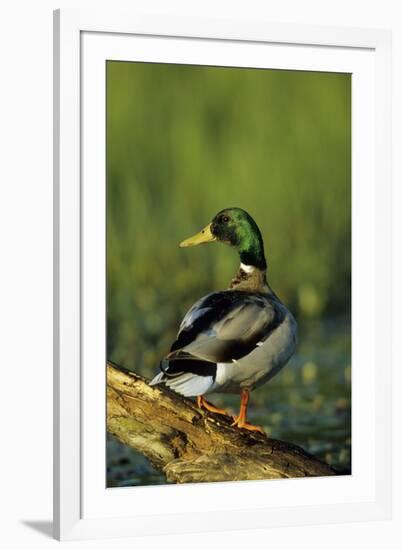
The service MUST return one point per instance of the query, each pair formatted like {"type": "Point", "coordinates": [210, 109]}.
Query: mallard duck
{"type": "Point", "coordinates": [235, 340]}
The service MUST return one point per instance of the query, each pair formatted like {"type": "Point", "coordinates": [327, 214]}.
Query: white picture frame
{"type": "Point", "coordinates": [83, 507]}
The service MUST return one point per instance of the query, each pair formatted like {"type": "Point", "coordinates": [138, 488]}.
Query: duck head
{"type": "Point", "coordinates": [236, 228]}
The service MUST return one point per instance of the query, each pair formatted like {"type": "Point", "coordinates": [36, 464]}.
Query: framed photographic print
{"type": "Point", "coordinates": [250, 375]}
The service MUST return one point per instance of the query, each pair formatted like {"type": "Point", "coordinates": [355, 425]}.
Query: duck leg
{"type": "Point", "coordinates": [203, 403]}
{"type": "Point", "coordinates": [240, 421]}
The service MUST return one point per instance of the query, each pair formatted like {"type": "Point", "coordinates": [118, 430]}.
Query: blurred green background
{"type": "Point", "coordinates": [183, 142]}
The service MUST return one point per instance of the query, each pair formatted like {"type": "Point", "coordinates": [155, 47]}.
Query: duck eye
{"type": "Point", "coordinates": [225, 219]}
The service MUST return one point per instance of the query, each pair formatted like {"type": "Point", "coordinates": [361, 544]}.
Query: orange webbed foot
{"type": "Point", "coordinates": [240, 421]}
{"type": "Point", "coordinates": [203, 403]}
{"type": "Point", "coordinates": [242, 424]}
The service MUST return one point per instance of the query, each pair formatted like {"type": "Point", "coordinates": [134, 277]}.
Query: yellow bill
{"type": "Point", "coordinates": [204, 236]}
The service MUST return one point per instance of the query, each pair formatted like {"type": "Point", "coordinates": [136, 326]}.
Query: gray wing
{"type": "Point", "coordinates": [225, 326]}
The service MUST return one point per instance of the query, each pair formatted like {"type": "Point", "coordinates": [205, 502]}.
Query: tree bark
{"type": "Point", "coordinates": [191, 445]}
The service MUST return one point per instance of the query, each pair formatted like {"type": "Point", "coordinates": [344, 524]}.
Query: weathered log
{"type": "Point", "coordinates": [190, 445]}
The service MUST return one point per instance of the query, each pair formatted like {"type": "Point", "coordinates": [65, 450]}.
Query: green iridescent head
{"type": "Point", "coordinates": [235, 227]}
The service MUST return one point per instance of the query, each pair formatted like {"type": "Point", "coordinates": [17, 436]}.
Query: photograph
{"type": "Point", "coordinates": [228, 273]}
{"type": "Point", "coordinates": [202, 275]}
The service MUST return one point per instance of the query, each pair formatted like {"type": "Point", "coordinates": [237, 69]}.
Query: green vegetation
{"type": "Point", "coordinates": [183, 142]}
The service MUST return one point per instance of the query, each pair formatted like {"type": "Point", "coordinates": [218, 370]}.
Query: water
{"type": "Point", "coordinates": [307, 403]}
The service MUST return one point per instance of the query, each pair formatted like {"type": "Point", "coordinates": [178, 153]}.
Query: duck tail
{"type": "Point", "coordinates": [157, 379]}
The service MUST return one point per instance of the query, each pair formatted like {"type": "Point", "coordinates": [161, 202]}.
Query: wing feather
{"type": "Point", "coordinates": [225, 326]}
